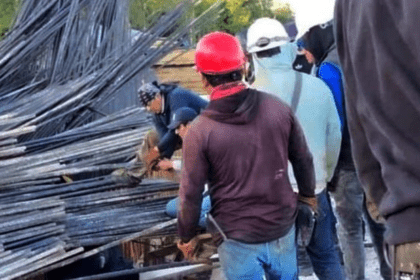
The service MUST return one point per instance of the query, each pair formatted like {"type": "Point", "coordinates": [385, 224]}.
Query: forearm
{"type": "Point", "coordinates": [305, 176]}
{"type": "Point", "coordinates": [193, 177]}
{"type": "Point", "coordinates": [302, 161]}
{"type": "Point", "coordinates": [333, 140]}
{"type": "Point", "coordinates": [167, 144]}
{"type": "Point", "coordinates": [188, 216]}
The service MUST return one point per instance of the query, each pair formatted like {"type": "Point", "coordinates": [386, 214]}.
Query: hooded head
{"type": "Point", "coordinates": [318, 40]}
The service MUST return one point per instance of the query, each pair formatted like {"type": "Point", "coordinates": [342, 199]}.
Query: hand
{"type": "Point", "coordinates": [305, 223]}
{"type": "Point", "coordinates": [151, 158]}
{"type": "Point", "coordinates": [165, 164]}
{"type": "Point", "coordinates": [188, 249]}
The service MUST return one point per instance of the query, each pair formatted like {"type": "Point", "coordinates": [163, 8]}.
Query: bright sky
{"type": "Point", "coordinates": [309, 12]}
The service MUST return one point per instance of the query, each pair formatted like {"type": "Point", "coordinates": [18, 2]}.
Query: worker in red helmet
{"type": "Point", "coordinates": [241, 144]}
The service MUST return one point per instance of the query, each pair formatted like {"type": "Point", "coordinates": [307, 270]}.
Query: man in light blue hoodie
{"type": "Point", "coordinates": [313, 103]}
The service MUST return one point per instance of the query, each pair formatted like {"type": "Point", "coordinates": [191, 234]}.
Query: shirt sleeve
{"type": "Point", "coordinates": [193, 178]}
{"type": "Point", "coordinates": [168, 143]}
{"type": "Point", "coordinates": [301, 160]}
{"type": "Point", "coordinates": [332, 76]}
{"type": "Point", "coordinates": [333, 139]}
{"type": "Point", "coordinates": [167, 138]}
{"type": "Point", "coordinates": [160, 126]}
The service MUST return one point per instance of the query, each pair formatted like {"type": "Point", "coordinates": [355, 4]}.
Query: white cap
{"type": "Point", "coordinates": [264, 34]}
{"type": "Point", "coordinates": [310, 13]}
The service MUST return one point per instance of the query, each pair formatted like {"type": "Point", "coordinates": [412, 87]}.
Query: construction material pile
{"type": "Point", "coordinates": [69, 71]}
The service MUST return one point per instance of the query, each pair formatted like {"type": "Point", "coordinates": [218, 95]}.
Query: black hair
{"type": "Point", "coordinates": [269, 52]}
{"type": "Point", "coordinates": [216, 80]}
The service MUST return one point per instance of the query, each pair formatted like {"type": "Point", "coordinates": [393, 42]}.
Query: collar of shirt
{"type": "Point", "coordinates": [227, 90]}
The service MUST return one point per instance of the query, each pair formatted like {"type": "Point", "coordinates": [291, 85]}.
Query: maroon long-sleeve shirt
{"type": "Point", "coordinates": [241, 145]}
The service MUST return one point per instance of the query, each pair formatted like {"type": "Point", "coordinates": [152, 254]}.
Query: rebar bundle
{"type": "Point", "coordinates": [69, 72]}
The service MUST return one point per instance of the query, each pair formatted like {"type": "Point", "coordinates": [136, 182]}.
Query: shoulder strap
{"type": "Point", "coordinates": [296, 92]}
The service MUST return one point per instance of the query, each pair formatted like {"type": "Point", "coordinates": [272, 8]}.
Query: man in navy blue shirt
{"type": "Point", "coordinates": [163, 100]}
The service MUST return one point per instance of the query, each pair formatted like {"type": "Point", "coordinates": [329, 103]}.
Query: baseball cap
{"type": "Point", "coordinates": [182, 115]}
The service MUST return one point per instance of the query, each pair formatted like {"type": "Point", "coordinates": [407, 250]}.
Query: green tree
{"type": "Point", "coordinates": [235, 16]}
{"type": "Point", "coordinates": [240, 14]}
{"type": "Point", "coordinates": [143, 13]}
{"type": "Point", "coordinates": [284, 13]}
{"type": "Point", "coordinates": [8, 10]}
{"type": "Point", "coordinates": [260, 8]}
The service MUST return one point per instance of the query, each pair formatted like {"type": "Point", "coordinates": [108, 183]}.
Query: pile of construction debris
{"type": "Point", "coordinates": [69, 71]}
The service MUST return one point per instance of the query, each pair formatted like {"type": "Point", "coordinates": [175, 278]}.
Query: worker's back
{"type": "Point", "coordinates": [246, 153]}
{"type": "Point", "coordinates": [315, 110]}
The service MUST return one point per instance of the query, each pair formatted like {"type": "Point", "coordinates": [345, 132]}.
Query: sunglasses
{"type": "Point", "coordinates": [264, 41]}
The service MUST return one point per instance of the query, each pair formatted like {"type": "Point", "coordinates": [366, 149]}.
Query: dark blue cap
{"type": "Point", "coordinates": [182, 115]}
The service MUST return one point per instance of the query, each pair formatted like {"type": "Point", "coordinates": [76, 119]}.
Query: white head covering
{"type": "Point", "coordinates": [309, 13]}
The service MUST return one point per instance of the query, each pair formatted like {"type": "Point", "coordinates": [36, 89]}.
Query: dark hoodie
{"type": "Point", "coordinates": [241, 145]}
{"type": "Point", "coordinates": [379, 49]}
{"type": "Point", "coordinates": [319, 40]}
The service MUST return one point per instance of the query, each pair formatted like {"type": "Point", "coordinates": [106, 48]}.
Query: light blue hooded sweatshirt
{"type": "Point", "coordinates": [316, 110]}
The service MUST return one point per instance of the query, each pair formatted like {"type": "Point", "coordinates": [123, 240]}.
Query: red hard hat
{"type": "Point", "coordinates": [219, 53]}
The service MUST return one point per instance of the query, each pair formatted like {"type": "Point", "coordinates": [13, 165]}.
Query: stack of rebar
{"type": "Point", "coordinates": [69, 73]}
{"type": "Point", "coordinates": [32, 235]}
{"type": "Point", "coordinates": [103, 145]}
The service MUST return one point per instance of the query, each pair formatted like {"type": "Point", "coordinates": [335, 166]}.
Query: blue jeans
{"type": "Point", "coordinates": [271, 260]}
{"type": "Point", "coordinates": [350, 209]}
{"type": "Point", "coordinates": [172, 209]}
{"type": "Point", "coordinates": [322, 250]}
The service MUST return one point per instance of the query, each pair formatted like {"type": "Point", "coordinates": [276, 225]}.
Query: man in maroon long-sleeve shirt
{"type": "Point", "coordinates": [241, 145]}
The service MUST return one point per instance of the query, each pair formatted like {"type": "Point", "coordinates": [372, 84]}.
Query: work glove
{"type": "Point", "coordinates": [151, 159]}
{"type": "Point", "coordinates": [188, 248]}
{"type": "Point", "coordinates": [309, 200]}
{"type": "Point", "coordinates": [199, 249]}
{"type": "Point", "coordinates": [126, 177]}
{"type": "Point", "coordinates": [305, 223]}
{"type": "Point", "coordinates": [306, 218]}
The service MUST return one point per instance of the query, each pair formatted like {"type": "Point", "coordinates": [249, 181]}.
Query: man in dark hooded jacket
{"type": "Point", "coordinates": [379, 50]}
{"type": "Point", "coordinates": [319, 47]}
{"type": "Point", "coordinates": [241, 145]}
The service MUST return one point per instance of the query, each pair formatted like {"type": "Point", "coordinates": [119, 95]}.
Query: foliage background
{"type": "Point", "coordinates": [235, 16]}
{"type": "Point", "coordinates": [8, 11]}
